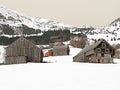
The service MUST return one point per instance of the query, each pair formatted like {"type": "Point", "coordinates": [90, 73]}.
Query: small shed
{"type": "Point", "coordinates": [99, 52]}
{"type": "Point", "coordinates": [22, 51]}
{"type": "Point", "coordinates": [60, 50]}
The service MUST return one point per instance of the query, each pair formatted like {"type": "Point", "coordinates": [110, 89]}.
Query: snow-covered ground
{"type": "Point", "coordinates": [2, 54]}
{"type": "Point", "coordinates": [60, 76]}
{"type": "Point", "coordinates": [63, 59]}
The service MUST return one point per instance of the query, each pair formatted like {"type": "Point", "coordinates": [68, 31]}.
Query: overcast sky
{"type": "Point", "coordinates": [74, 12]}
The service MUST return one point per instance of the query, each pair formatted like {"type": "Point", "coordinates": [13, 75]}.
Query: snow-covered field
{"type": "Point", "coordinates": [63, 59]}
{"type": "Point", "coordinates": [60, 76]}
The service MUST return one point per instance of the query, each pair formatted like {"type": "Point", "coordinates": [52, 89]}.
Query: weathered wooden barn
{"type": "Point", "coordinates": [117, 50]}
{"type": "Point", "coordinates": [56, 38]}
{"type": "Point", "coordinates": [22, 51]}
{"type": "Point", "coordinates": [99, 52]}
{"type": "Point", "coordinates": [78, 42]}
{"type": "Point", "coordinates": [60, 50]}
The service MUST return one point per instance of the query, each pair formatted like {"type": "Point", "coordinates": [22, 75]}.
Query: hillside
{"type": "Point", "coordinates": [14, 23]}
{"type": "Point", "coordinates": [111, 32]}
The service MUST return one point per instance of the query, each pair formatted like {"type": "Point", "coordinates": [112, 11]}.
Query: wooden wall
{"type": "Point", "coordinates": [79, 58]}
{"type": "Point", "coordinates": [15, 60]}
{"type": "Point", "coordinates": [60, 50]}
{"type": "Point", "coordinates": [23, 47]}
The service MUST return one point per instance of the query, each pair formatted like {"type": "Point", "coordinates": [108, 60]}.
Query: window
{"type": "Point", "coordinates": [103, 45]}
{"type": "Point", "coordinates": [99, 50]}
{"type": "Point", "coordinates": [102, 54]}
{"type": "Point", "coordinates": [107, 51]}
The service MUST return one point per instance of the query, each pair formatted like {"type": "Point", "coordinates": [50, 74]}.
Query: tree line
{"type": "Point", "coordinates": [40, 40]}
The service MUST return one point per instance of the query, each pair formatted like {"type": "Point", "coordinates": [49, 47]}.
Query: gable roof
{"type": "Point", "coordinates": [19, 43]}
{"type": "Point", "coordinates": [88, 48]}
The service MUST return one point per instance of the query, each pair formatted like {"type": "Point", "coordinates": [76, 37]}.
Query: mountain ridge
{"type": "Point", "coordinates": [13, 23]}
{"type": "Point", "coordinates": [16, 21]}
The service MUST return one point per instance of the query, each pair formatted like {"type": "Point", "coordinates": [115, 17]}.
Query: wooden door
{"type": "Point", "coordinates": [98, 60]}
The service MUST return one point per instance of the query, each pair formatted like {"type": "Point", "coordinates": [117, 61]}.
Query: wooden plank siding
{"type": "Point", "coordinates": [23, 47]}
{"type": "Point", "coordinates": [80, 58]}
{"type": "Point", "coordinates": [60, 50]}
{"type": "Point", "coordinates": [15, 60]}
{"type": "Point", "coordinates": [89, 52]}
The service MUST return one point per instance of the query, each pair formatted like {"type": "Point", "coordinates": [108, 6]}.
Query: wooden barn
{"type": "Point", "coordinates": [56, 38]}
{"type": "Point", "coordinates": [78, 42]}
{"type": "Point", "coordinates": [60, 50]}
{"type": "Point", "coordinates": [22, 51]}
{"type": "Point", "coordinates": [99, 52]}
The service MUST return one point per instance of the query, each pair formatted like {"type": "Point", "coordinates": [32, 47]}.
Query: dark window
{"type": "Point", "coordinates": [102, 54]}
{"type": "Point", "coordinates": [99, 50]}
{"type": "Point", "coordinates": [103, 45]}
{"type": "Point", "coordinates": [111, 55]}
{"type": "Point", "coordinates": [107, 51]}
{"type": "Point", "coordinates": [98, 60]}
{"type": "Point", "coordinates": [103, 50]}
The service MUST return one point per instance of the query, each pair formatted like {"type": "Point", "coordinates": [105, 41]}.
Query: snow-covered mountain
{"type": "Point", "coordinates": [111, 32]}
{"type": "Point", "coordinates": [14, 23]}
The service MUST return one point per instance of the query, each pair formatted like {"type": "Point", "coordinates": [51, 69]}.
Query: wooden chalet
{"type": "Point", "coordinates": [99, 52]}
{"type": "Point", "coordinates": [60, 50]}
{"type": "Point", "coordinates": [22, 51]}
